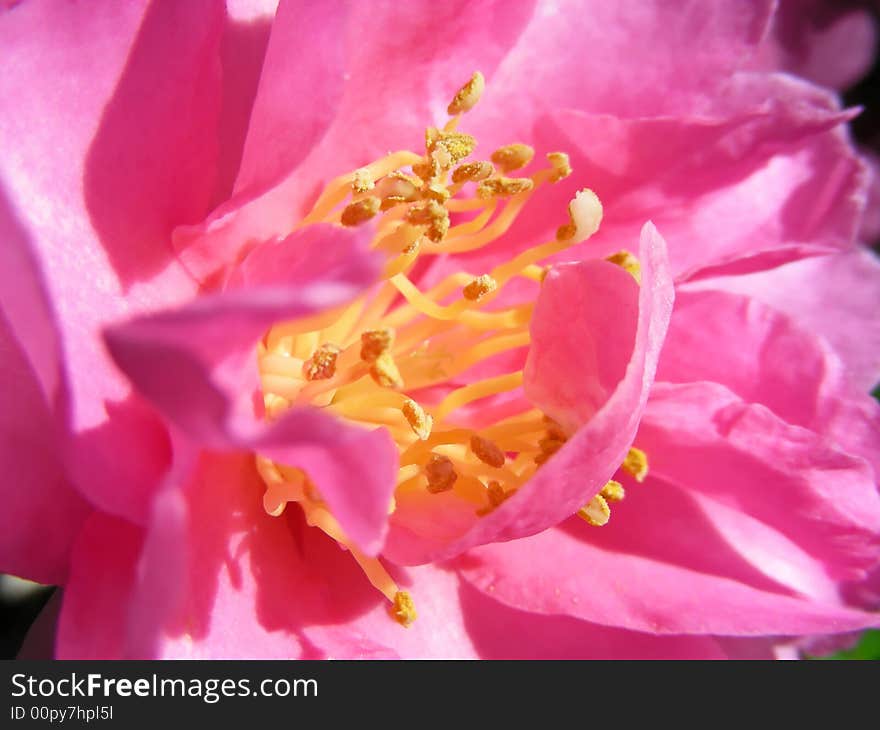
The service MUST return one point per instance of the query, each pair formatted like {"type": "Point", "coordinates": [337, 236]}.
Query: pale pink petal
{"type": "Point", "coordinates": [557, 572]}
{"type": "Point", "coordinates": [100, 187]}
{"type": "Point", "coordinates": [833, 296]}
{"type": "Point", "coordinates": [578, 470]}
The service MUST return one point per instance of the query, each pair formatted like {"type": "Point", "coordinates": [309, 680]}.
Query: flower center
{"type": "Point", "coordinates": [404, 358]}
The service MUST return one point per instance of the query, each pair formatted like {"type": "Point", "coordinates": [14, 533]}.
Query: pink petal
{"type": "Point", "coordinates": [590, 457]}
{"type": "Point", "coordinates": [832, 46]}
{"type": "Point", "coordinates": [558, 573]}
{"type": "Point", "coordinates": [369, 91]}
{"type": "Point", "coordinates": [99, 189]}
{"type": "Point", "coordinates": [196, 365]}
{"type": "Point", "coordinates": [251, 585]}
{"type": "Point", "coordinates": [834, 296]}
{"type": "Point", "coordinates": [41, 513]}
{"type": "Point", "coordinates": [702, 437]}
{"type": "Point", "coordinates": [765, 357]}
{"type": "Point", "coordinates": [502, 632]}
{"type": "Point", "coordinates": [92, 624]}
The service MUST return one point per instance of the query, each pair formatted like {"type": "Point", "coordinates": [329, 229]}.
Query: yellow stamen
{"type": "Point", "coordinates": [479, 288]}
{"type": "Point", "coordinates": [560, 164]}
{"type": "Point", "coordinates": [441, 473]}
{"type": "Point", "coordinates": [613, 491]}
{"type": "Point", "coordinates": [384, 371]}
{"type": "Point", "coordinates": [596, 512]}
{"type": "Point", "coordinates": [403, 610]}
{"type": "Point", "coordinates": [629, 263]}
{"type": "Point", "coordinates": [361, 181]}
{"type": "Point", "coordinates": [418, 419]}
{"type": "Point", "coordinates": [468, 95]}
{"type": "Point", "coordinates": [502, 187]}
{"type": "Point", "coordinates": [487, 452]}
{"type": "Point", "coordinates": [375, 342]}
{"type": "Point", "coordinates": [512, 157]}
{"type": "Point", "coordinates": [360, 211]}
{"type": "Point", "coordinates": [472, 172]}
{"type": "Point", "coordinates": [636, 464]}
{"type": "Point", "coordinates": [322, 364]}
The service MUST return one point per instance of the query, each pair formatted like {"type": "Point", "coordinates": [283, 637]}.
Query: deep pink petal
{"type": "Point", "coordinates": [557, 573]}
{"type": "Point", "coordinates": [590, 457]}
{"type": "Point", "coordinates": [99, 188]}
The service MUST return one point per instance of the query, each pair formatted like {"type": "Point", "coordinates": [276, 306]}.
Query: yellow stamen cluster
{"type": "Point", "coordinates": [401, 344]}
{"type": "Point", "coordinates": [596, 512]}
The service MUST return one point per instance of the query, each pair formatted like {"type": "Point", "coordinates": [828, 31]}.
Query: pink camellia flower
{"type": "Point", "coordinates": [280, 283]}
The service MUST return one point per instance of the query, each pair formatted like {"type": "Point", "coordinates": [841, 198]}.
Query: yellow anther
{"type": "Point", "coordinates": [403, 610]}
{"type": "Point", "coordinates": [561, 166]}
{"type": "Point", "coordinates": [399, 187]}
{"type": "Point", "coordinates": [479, 288]}
{"type": "Point", "coordinates": [431, 214]}
{"type": "Point", "coordinates": [613, 491]}
{"type": "Point", "coordinates": [427, 169]}
{"type": "Point", "coordinates": [450, 147]}
{"type": "Point", "coordinates": [441, 473]}
{"type": "Point", "coordinates": [384, 371]}
{"type": "Point", "coordinates": [436, 190]}
{"type": "Point", "coordinates": [361, 181]}
{"type": "Point", "coordinates": [513, 156]}
{"type": "Point", "coordinates": [390, 201]}
{"type": "Point", "coordinates": [585, 215]}
{"type": "Point", "coordinates": [360, 211]}
{"type": "Point", "coordinates": [375, 342]}
{"type": "Point", "coordinates": [596, 512]}
{"type": "Point", "coordinates": [636, 464]}
{"type": "Point", "coordinates": [497, 187]}
{"type": "Point", "coordinates": [322, 364]}
{"type": "Point", "coordinates": [472, 172]}
{"type": "Point", "coordinates": [487, 451]}
{"type": "Point", "coordinates": [628, 262]}
{"type": "Point", "coordinates": [468, 95]}
{"type": "Point", "coordinates": [419, 421]}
